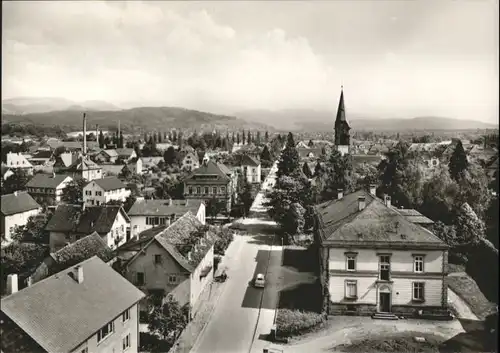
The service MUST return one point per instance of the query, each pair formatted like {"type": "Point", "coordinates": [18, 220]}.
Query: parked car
{"type": "Point", "coordinates": [259, 281]}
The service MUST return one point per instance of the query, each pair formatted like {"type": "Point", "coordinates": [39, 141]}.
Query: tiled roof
{"type": "Point", "coordinates": [59, 313]}
{"type": "Point", "coordinates": [110, 153]}
{"type": "Point", "coordinates": [71, 218]}
{"type": "Point", "coordinates": [210, 168]}
{"type": "Point", "coordinates": [42, 154]}
{"type": "Point", "coordinates": [124, 152]}
{"type": "Point", "coordinates": [83, 163]}
{"type": "Point", "coordinates": [46, 181]}
{"type": "Point", "coordinates": [163, 207]}
{"type": "Point", "coordinates": [249, 160]}
{"type": "Point", "coordinates": [18, 202]}
{"type": "Point", "coordinates": [110, 183]}
{"type": "Point", "coordinates": [72, 254]}
{"type": "Point", "coordinates": [414, 216]}
{"type": "Point", "coordinates": [341, 222]}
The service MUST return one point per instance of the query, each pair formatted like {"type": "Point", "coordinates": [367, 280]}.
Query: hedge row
{"type": "Point", "coordinates": [295, 322]}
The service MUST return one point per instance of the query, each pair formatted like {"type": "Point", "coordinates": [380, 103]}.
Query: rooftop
{"type": "Point", "coordinates": [210, 172]}
{"type": "Point", "coordinates": [109, 183]}
{"type": "Point", "coordinates": [342, 223]}
{"type": "Point", "coordinates": [143, 207]}
{"type": "Point", "coordinates": [249, 160]}
{"type": "Point", "coordinates": [46, 181]}
{"type": "Point", "coordinates": [18, 202]}
{"type": "Point", "coordinates": [59, 313]}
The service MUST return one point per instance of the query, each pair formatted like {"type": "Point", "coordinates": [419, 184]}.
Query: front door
{"type": "Point", "coordinates": [385, 302]}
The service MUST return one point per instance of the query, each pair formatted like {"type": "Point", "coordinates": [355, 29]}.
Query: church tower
{"type": "Point", "coordinates": [342, 137]}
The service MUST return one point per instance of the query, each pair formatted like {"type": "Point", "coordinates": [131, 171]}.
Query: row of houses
{"type": "Point", "coordinates": [105, 291]}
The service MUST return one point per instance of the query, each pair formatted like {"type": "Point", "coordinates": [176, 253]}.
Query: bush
{"type": "Point", "coordinates": [217, 260]}
{"type": "Point", "coordinates": [151, 343]}
{"type": "Point", "coordinates": [295, 322]}
{"type": "Point", "coordinates": [484, 255]}
{"type": "Point", "coordinates": [224, 238]}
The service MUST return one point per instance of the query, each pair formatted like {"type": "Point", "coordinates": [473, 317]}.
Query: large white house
{"type": "Point", "coordinates": [85, 308]}
{"type": "Point", "coordinates": [251, 169]}
{"type": "Point", "coordinates": [145, 214]}
{"type": "Point", "coordinates": [376, 260]}
{"type": "Point", "coordinates": [48, 188]}
{"type": "Point", "coordinates": [19, 161]}
{"type": "Point", "coordinates": [190, 162]}
{"type": "Point", "coordinates": [101, 191]}
{"type": "Point", "coordinates": [16, 209]}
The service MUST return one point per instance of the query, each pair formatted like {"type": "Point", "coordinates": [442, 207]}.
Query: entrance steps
{"type": "Point", "coordinates": [384, 316]}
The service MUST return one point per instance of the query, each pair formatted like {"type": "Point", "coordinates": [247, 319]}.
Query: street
{"type": "Point", "coordinates": [245, 313]}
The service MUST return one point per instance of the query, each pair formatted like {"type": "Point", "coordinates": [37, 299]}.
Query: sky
{"type": "Point", "coordinates": [393, 58]}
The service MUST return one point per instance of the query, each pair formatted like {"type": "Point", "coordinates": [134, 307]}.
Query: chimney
{"type": "Point", "coordinates": [361, 203]}
{"type": "Point", "coordinates": [340, 194]}
{"type": "Point", "coordinates": [29, 281]}
{"type": "Point", "coordinates": [15, 193]}
{"type": "Point", "coordinates": [78, 273]}
{"type": "Point", "coordinates": [12, 284]}
{"type": "Point", "coordinates": [373, 189]}
{"type": "Point", "coordinates": [170, 201]}
{"type": "Point", "coordinates": [387, 201]}
{"type": "Point", "coordinates": [84, 134]}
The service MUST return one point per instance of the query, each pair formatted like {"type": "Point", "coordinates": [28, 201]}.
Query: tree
{"type": "Point", "coordinates": [174, 136]}
{"type": "Point", "coordinates": [318, 169]}
{"type": "Point", "coordinates": [33, 230]}
{"type": "Point", "coordinates": [468, 226]}
{"type": "Point", "coordinates": [289, 162]}
{"type": "Point", "coordinates": [338, 175]}
{"type": "Point", "coordinates": [238, 138]}
{"type": "Point", "coordinates": [491, 221]}
{"type": "Point", "coordinates": [73, 192]}
{"type": "Point", "coordinates": [243, 136]}
{"type": "Point", "coordinates": [246, 195]}
{"type": "Point", "coordinates": [257, 138]}
{"type": "Point", "coordinates": [168, 320]}
{"type": "Point", "coordinates": [265, 154]}
{"type": "Point", "coordinates": [249, 137]}
{"type": "Point", "coordinates": [296, 219]}
{"type": "Point", "coordinates": [22, 258]}
{"type": "Point", "coordinates": [101, 140]}
{"type": "Point", "coordinates": [170, 156]}
{"type": "Point", "coordinates": [214, 206]}
{"type": "Point", "coordinates": [266, 137]}
{"type": "Point", "coordinates": [233, 138]}
{"type": "Point", "coordinates": [120, 140]}
{"type": "Point", "coordinates": [306, 170]}
{"type": "Point", "coordinates": [458, 162]}
{"type": "Point", "coordinates": [15, 182]}
{"type": "Point", "coordinates": [159, 137]}
{"type": "Point", "coordinates": [310, 143]}
{"type": "Point", "coordinates": [446, 233]}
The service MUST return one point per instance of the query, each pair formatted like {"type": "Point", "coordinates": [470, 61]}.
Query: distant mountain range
{"type": "Point", "coordinates": [311, 120]}
{"type": "Point", "coordinates": [138, 119]}
{"type": "Point", "coordinates": [30, 105]}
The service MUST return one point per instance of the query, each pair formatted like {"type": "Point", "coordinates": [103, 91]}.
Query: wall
{"type": "Point", "coordinates": [155, 275]}
{"type": "Point", "coordinates": [119, 229]}
{"type": "Point", "coordinates": [92, 174]}
{"type": "Point", "coordinates": [113, 343]}
{"type": "Point", "coordinates": [201, 214]}
{"type": "Point", "coordinates": [402, 275]}
{"type": "Point", "coordinates": [105, 197]}
{"type": "Point", "coordinates": [18, 219]}
{"type": "Point", "coordinates": [197, 283]}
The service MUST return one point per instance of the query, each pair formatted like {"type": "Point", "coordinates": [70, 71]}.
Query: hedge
{"type": "Point", "coordinates": [295, 322]}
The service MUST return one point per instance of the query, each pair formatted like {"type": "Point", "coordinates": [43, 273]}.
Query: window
{"type": "Point", "coordinates": [214, 190]}
{"type": "Point", "coordinates": [172, 279]}
{"type": "Point", "coordinates": [126, 342]}
{"type": "Point", "coordinates": [126, 315]}
{"type": "Point", "coordinates": [122, 228]}
{"type": "Point", "coordinates": [418, 291]}
{"type": "Point", "coordinates": [206, 190]}
{"type": "Point", "coordinates": [198, 190]}
{"type": "Point", "coordinates": [88, 192]}
{"type": "Point", "coordinates": [98, 193]}
{"type": "Point", "coordinates": [418, 263]}
{"type": "Point", "coordinates": [222, 189]}
{"type": "Point", "coordinates": [157, 259]}
{"type": "Point", "coordinates": [351, 290]}
{"type": "Point", "coordinates": [105, 331]}
{"type": "Point", "coordinates": [385, 268]}
{"type": "Point", "coordinates": [98, 203]}
{"type": "Point", "coordinates": [140, 278]}
{"type": "Point", "coordinates": [190, 190]}
{"type": "Point", "coordinates": [351, 262]}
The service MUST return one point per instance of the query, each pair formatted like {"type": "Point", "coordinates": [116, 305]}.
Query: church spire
{"type": "Point", "coordinates": [342, 137]}
{"type": "Point", "coordinates": [341, 108]}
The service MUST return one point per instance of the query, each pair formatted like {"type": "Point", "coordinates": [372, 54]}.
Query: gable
{"type": "Point", "coordinates": [144, 262]}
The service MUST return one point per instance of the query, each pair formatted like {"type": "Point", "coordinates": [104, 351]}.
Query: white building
{"type": "Point", "coordinates": [48, 188]}
{"type": "Point", "coordinates": [19, 161]}
{"type": "Point", "coordinates": [85, 308]}
{"type": "Point", "coordinates": [145, 214]}
{"type": "Point", "coordinates": [251, 169]}
{"type": "Point", "coordinates": [101, 191]}
{"type": "Point", "coordinates": [16, 209]}
{"type": "Point", "coordinates": [190, 162]}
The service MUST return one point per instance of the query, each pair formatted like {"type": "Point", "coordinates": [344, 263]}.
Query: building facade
{"type": "Point", "coordinates": [17, 208]}
{"type": "Point", "coordinates": [101, 191]}
{"type": "Point", "coordinates": [48, 188]}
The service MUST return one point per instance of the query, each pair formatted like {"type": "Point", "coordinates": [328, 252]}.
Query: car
{"type": "Point", "coordinates": [259, 281]}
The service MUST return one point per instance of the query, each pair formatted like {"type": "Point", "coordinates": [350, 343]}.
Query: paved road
{"type": "Point", "coordinates": [238, 320]}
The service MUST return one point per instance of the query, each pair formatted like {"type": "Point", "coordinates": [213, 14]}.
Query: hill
{"type": "Point", "coordinates": [311, 120]}
{"type": "Point", "coordinates": [139, 119]}
{"type": "Point", "coordinates": [30, 105]}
